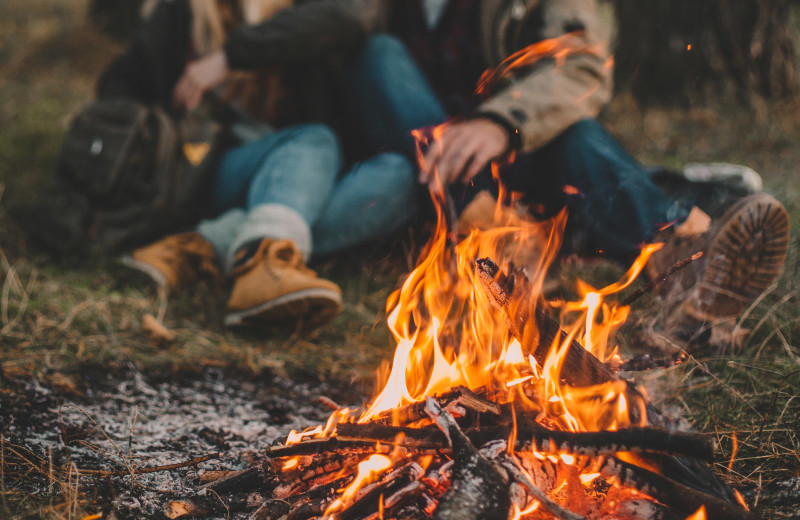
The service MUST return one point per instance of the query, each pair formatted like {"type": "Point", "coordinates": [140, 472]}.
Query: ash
{"type": "Point", "coordinates": [123, 424]}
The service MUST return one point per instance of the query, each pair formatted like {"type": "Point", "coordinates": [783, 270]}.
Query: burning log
{"type": "Point", "coordinates": [679, 496]}
{"type": "Point", "coordinates": [459, 396]}
{"type": "Point", "coordinates": [581, 368]}
{"type": "Point", "coordinates": [637, 440]}
{"type": "Point", "coordinates": [478, 489]}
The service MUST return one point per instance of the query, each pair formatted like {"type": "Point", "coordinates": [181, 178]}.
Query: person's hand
{"type": "Point", "coordinates": [463, 150]}
{"type": "Point", "coordinates": [199, 77]}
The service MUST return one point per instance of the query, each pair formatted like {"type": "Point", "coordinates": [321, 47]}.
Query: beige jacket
{"type": "Point", "coordinates": [569, 80]}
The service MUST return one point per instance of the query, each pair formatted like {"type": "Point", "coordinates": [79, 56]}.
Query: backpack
{"type": "Point", "coordinates": [126, 174]}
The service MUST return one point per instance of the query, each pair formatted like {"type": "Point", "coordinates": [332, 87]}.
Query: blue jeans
{"type": "Point", "coordinates": [300, 168]}
{"type": "Point", "coordinates": [615, 206]}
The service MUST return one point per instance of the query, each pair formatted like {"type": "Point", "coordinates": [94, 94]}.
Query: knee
{"type": "Point", "coordinates": [584, 129]}
{"type": "Point", "coordinates": [384, 46]}
{"type": "Point", "coordinates": [397, 174]}
{"type": "Point", "coordinates": [316, 134]}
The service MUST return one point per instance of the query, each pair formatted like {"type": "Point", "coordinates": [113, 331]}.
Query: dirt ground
{"type": "Point", "coordinates": [77, 368]}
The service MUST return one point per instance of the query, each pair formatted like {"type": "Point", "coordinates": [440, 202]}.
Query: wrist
{"type": "Point", "coordinates": [514, 138]}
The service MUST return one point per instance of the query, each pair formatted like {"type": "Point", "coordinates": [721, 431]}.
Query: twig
{"type": "Point", "coordinates": [554, 509]}
{"type": "Point", "coordinates": [151, 469]}
{"type": "Point", "coordinates": [330, 403]}
{"type": "Point", "coordinates": [649, 286]}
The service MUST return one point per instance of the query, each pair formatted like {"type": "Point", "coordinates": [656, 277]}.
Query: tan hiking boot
{"type": "Point", "coordinates": [743, 254]}
{"type": "Point", "coordinates": [175, 261]}
{"type": "Point", "coordinates": [274, 284]}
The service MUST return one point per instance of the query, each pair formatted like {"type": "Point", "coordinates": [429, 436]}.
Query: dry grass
{"type": "Point", "coordinates": [58, 321]}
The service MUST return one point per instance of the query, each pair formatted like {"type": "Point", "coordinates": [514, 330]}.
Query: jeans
{"type": "Point", "coordinates": [613, 206]}
{"type": "Point", "coordinates": [299, 168]}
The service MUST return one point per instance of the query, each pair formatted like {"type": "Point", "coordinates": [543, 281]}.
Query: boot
{"type": "Point", "coordinates": [176, 261]}
{"type": "Point", "coordinates": [272, 283]}
{"type": "Point", "coordinates": [743, 254]}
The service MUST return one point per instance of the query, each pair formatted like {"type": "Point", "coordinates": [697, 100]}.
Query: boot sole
{"type": "Point", "coordinates": [318, 306]}
{"type": "Point", "coordinates": [143, 267]}
{"type": "Point", "coordinates": [743, 259]}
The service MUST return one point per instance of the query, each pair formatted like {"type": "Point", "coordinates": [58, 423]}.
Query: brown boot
{"type": "Point", "coordinates": [743, 254]}
{"type": "Point", "coordinates": [176, 261]}
{"type": "Point", "coordinates": [274, 284]}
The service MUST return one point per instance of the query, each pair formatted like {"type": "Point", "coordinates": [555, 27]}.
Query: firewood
{"type": "Point", "coordinates": [459, 395]}
{"type": "Point", "coordinates": [246, 480]}
{"type": "Point", "coordinates": [368, 498]}
{"type": "Point", "coordinates": [554, 509]}
{"type": "Point", "coordinates": [649, 440]}
{"type": "Point", "coordinates": [674, 494]}
{"type": "Point", "coordinates": [580, 367]}
{"type": "Point", "coordinates": [478, 489]}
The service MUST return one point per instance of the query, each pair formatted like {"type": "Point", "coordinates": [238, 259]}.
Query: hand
{"type": "Point", "coordinates": [463, 150]}
{"type": "Point", "coordinates": [199, 77]}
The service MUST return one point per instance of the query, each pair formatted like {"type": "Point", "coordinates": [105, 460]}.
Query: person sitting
{"type": "Point", "coordinates": [549, 75]}
{"type": "Point", "coordinates": [278, 196]}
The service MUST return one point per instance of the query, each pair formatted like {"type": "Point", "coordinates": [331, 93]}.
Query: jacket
{"type": "Point", "coordinates": [307, 42]}
{"type": "Point", "coordinates": [570, 81]}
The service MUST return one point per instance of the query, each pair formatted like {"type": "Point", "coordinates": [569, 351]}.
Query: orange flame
{"type": "Point", "coordinates": [700, 514]}
{"type": "Point", "coordinates": [558, 48]}
{"type": "Point", "coordinates": [367, 469]}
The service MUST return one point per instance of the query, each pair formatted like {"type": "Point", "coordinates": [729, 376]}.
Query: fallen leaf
{"type": "Point", "coordinates": [157, 332]}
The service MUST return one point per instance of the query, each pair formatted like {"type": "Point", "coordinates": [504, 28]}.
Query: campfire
{"type": "Point", "coordinates": [491, 409]}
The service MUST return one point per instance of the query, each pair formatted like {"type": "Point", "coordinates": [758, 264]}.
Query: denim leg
{"type": "Point", "coordinates": [295, 167]}
{"type": "Point", "coordinates": [391, 95]}
{"type": "Point", "coordinates": [375, 198]}
{"type": "Point", "coordinates": [612, 202]}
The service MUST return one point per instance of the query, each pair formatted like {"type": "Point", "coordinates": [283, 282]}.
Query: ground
{"type": "Point", "coordinates": [72, 337]}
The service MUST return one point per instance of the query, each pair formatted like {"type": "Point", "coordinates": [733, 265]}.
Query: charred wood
{"type": "Point", "coordinates": [319, 446]}
{"type": "Point", "coordinates": [458, 396]}
{"type": "Point", "coordinates": [580, 367]}
{"type": "Point", "coordinates": [640, 440]}
{"type": "Point", "coordinates": [672, 493]}
{"type": "Point", "coordinates": [478, 489]}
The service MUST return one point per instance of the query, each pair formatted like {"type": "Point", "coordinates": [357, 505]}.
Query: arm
{"type": "Point", "coordinates": [552, 85]}
{"type": "Point", "coordinates": [571, 82]}
{"type": "Point", "coordinates": [148, 69]}
{"type": "Point", "coordinates": [312, 29]}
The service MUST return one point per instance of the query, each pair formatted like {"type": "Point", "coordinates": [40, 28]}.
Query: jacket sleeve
{"type": "Point", "coordinates": [154, 60]}
{"type": "Point", "coordinates": [310, 30]}
{"type": "Point", "coordinates": [569, 80]}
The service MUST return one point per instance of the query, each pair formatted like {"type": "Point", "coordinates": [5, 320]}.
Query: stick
{"type": "Point", "coordinates": [555, 509]}
{"type": "Point", "coordinates": [652, 284]}
{"type": "Point", "coordinates": [672, 493]}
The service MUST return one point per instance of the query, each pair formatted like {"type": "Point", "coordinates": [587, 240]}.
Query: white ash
{"type": "Point", "coordinates": [134, 423]}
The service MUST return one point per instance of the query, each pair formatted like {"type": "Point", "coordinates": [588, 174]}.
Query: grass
{"type": "Point", "coordinates": [59, 320]}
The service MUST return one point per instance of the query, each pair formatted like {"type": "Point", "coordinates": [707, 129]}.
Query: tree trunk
{"type": "Point", "coordinates": [689, 51]}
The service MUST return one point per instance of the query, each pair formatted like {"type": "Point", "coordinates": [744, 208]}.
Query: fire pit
{"type": "Point", "coordinates": [491, 409]}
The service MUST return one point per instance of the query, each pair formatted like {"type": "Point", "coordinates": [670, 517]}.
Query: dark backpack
{"type": "Point", "coordinates": [126, 174]}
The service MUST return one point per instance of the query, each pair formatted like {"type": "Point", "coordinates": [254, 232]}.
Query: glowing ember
{"type": "Point", "coordinates": [367, 470]}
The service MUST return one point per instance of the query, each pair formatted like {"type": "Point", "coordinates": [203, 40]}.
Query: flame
{"type": "Point", "coordinates": [291, 463]}
{"type": "Point", "coordinates": [367, 469]}
{"type": "Point", "coordinates": [588, 478]}
{"type": "Point", "coordinates": [517, 514]}
{"type": "Point", "coordinates": [700, 514]}
{"type": "Point", "coordinates": [558, 48]}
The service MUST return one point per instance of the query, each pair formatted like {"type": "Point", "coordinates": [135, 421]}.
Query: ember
{"type": "Point", "coordinates": [492, 410]}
